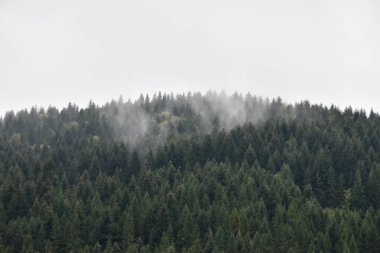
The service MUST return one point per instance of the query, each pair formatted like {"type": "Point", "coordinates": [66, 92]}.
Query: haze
{"type": "Point", "coordinates": [56, 52]}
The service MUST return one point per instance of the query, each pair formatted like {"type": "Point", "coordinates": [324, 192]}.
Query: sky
{"type": "Point", "coordinates": [55, 52]}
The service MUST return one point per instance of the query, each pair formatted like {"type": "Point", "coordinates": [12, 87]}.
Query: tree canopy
{"type": "Point", "coordinates": [190, 173]}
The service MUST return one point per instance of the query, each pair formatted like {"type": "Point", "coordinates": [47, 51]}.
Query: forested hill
{"type": "Point", "coordinates": [190, 173]}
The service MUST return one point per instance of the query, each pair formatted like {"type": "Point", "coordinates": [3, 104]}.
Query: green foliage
{"type": "Point", "coordinates": [300, 178]}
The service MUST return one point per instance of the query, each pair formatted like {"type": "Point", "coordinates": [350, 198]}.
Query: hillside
{"type": "Point", "coordinates": [190, 173]}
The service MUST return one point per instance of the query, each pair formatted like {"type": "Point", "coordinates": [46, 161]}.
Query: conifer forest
{"type": "Point", "coordinates": [190, 173]}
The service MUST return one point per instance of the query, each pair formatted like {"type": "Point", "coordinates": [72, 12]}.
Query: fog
{"type": "Point", "coordinates": [149, 122]}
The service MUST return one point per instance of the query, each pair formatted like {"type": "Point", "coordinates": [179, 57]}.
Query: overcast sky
{"type": "Point", "coordinates": [55, 52]}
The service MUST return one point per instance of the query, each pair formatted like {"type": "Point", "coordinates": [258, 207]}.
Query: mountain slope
{"type": "Point", "coordinates": [190, 173]}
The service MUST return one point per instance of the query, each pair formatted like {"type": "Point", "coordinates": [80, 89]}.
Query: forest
{"type": "Point", "coordinates": [190, 173]}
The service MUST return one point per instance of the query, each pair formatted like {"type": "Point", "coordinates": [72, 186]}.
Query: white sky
{"type": "Point", "coordinates": [55, 52]}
